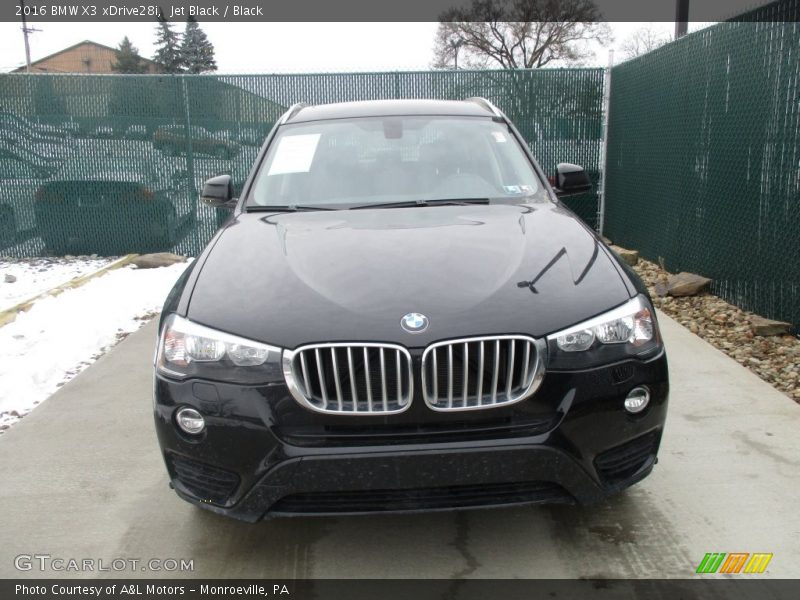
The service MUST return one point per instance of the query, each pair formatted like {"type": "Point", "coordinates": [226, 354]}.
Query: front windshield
{"type": "Point", "coordinates": [345, 163]}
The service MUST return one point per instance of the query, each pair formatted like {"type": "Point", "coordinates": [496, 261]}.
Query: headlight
{"type": "Point", "coordinates": [626, 331]}
{"type": "Point", "coordinates": [187, 349]}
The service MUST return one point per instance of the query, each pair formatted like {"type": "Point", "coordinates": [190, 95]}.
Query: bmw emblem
{"type": "Point", "coordinates": [414, 323]}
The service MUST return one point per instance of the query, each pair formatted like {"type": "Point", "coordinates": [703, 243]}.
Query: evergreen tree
{"type": "Point", "coordinates": [128, 59]}
{"type": "Point", "coordinates": [168, 51]}
{"type": "Point", "coordinates": [197, 53]}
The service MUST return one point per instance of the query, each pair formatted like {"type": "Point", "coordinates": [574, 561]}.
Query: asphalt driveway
{"type": "Point", "coordinates": [82, 477]}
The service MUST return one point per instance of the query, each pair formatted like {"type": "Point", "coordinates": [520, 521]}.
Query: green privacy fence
{"type": "Point", "coordinates": [703, 168]}
{"type": "Point", "coordinates": [112, 164]}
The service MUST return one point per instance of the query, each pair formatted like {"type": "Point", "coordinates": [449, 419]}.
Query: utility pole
{"type": "Point", "coordinates": [25, 32]}
{"type": "Point", "coordinates": [681, 18]}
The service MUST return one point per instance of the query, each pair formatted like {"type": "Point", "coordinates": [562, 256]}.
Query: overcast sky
{"type": "Point", "coordinates": [272, 47]}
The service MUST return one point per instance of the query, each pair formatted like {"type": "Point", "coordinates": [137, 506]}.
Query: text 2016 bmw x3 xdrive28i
{"type": "Point", "coordinates": [401, 315]}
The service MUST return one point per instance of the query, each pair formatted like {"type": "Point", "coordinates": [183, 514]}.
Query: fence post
{"type": "Point", "coordinates": [192, 190]}
{"type": "Point", "coordinates": [601, 193]}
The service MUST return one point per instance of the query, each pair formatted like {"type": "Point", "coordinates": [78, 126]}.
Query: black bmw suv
{"type": "Point", "coordinates": [401, 315]}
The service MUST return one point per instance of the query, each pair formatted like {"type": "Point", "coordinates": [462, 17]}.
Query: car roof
{"type": "Point", "coordinates": [107, 168]}
{"type": "Point", "coordinates": [390, 108]}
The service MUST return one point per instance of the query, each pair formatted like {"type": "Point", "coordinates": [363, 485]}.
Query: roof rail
{"type": "Point", "coordinates": [483, 102]}
{"type": "Point", "coordinates": [293, 110]}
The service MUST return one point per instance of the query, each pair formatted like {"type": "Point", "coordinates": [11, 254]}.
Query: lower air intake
{"type": "Point", "coordinates": [460, 496]}
{"type": "Point", "coordinates": [203, 481]}
{"type": "Point", "coordinates": [622, 462]}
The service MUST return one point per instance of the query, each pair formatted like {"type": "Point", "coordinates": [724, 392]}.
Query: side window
{"type": "Point", "coordinates": [11, 168]}
{"type": "Point", "coordinates": [25, 171]}
{"type": "Point", "coordinates": [8, 168]}
{"type": "Point", "coordinates": [5, 169]}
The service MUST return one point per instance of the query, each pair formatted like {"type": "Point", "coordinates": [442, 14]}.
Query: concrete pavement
{"type": "Point", "coordinates": [82, 477]}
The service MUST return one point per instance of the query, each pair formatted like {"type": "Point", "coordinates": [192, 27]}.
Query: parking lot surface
{"type": "Point", "coordinates": [83, 479]}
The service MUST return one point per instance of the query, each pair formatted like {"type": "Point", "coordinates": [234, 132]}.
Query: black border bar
{"type": "Point", "coordinates": [364, 10]}
{"type": "Point", "coordinates": [705, 587]}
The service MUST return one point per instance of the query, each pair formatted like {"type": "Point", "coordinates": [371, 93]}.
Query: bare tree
{"type": "Point", "coordinates": [642, 41]}
{"type": "Point", "coordinates": [519, 34]}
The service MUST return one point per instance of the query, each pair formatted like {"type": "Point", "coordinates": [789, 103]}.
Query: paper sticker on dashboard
{"type": "Point", "coordinates": [294, 154]}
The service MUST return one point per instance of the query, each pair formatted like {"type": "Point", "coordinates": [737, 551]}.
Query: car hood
{"type": "Point", "coordinates": [294, 278]}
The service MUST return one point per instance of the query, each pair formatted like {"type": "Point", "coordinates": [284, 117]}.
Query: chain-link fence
{"type": "Point", "coordinates": [703, 168]}
{"type": "Point", "coordinates": [786, 11]}
{"type": "Point", "coordinates": [112, 164]}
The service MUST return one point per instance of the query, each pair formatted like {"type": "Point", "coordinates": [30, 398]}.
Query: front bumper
{"type": "Point", "coordinates": [570, 442]}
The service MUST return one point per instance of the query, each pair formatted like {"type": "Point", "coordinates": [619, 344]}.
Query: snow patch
{"type": "Point", "coordinates": [62, 335]}
{"type": "Point", "coordinates": [37, 275]}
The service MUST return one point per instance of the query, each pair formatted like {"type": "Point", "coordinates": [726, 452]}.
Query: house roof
{"type": "Point", "coordinates": [72, 47]}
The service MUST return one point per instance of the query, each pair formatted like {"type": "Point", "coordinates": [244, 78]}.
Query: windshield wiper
{"type": "Point", "coordinates": [436, 202]}
{"type": "Point", "coordinates": [285, 207]}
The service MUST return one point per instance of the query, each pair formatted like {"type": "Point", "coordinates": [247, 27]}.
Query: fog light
{"type": "Point", "coordinates": [637, 400]}
{"type": "Point", "coordinates": [190, 420]}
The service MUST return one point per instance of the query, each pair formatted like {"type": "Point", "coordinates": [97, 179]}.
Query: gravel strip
{"type": "Point", "coordinates": [776, 359]}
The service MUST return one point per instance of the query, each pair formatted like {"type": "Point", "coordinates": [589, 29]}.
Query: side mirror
{"type": "Point", "coordinates": [571, 180]}
{"type": "Point", "coordinates": [218, 192]}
